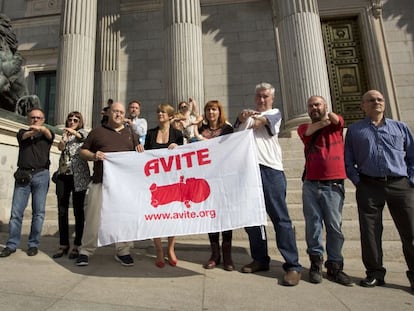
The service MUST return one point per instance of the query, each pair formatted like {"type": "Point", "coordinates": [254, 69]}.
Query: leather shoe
{"type": "Point", "coordinates": [254, 266]}
{"type": "Point", "coordinates": [6, 252]}
{"type": "Point", "coordinates": [291, 278]}
{"type": "Point", "coordinates": [32, 251]}
{"type": "Point", "coordinates": [370, 281]}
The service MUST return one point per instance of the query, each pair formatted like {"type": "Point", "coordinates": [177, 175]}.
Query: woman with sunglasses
{"type": "Point", "coordinates": [190, 120]}
{"type": "Point", "coordinates": [215, 124]}
{"type": "Point", "coordinates": [73, 177]}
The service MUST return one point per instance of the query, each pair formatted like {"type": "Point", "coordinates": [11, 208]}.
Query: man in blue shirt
{"type": "Point", "coordinates": [379, 159]}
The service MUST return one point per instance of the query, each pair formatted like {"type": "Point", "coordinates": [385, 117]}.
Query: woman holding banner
{"type": "Point", "coordinates": [164, 136]}
{"type": "Point", "coordinates": [215, 124]}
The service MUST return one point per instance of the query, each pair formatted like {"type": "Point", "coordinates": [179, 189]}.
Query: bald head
{"type": "Point", "coordinates": [317, 108]}
{"type": "Point", "coordinates": [373, 104]}
{"type": "Point", "coordinates": [116, 115]}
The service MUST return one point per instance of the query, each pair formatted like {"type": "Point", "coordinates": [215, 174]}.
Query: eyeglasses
{"type": "Point", "coordinates": [36, 118]}
{"type": "Point", "coordinates": [74, 120]}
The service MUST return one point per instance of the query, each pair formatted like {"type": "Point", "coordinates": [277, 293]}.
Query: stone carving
{"type": "Point", "coordinates": [13, 90]}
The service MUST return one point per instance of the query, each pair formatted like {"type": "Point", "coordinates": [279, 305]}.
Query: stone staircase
{"type": "Point", "coordinates": [293, 162]}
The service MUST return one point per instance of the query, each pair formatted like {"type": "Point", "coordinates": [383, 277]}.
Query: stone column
{"type": "Point", "coordinates": [76, 63]}
{"type": "Point", "coordinates": [184, 60]}
{"type": "Point", "coordinates": [107, 59]}
{"type": "Point", "coordinates": [302, 62]}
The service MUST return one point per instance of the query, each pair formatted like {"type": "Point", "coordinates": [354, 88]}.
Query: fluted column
{"type": "Point", "coordinates": [302, 62]}
{"type": "Point", "coordinates": [107, 62]}
{"type": "Point", "coordinates": [184, 60]}
{"type": "Point", "coordinates": [75, 74]}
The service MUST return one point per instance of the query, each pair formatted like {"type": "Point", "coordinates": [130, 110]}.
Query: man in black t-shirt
{"type": "Point", "coordinates": [32, 177]}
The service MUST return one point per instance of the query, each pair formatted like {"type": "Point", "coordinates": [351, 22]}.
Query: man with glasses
{"type": "Point", "coordinates": [111, 137]}
{"type": "Point", "coordinates": [379, 160]}
{"type": "Point", "coordinates": [33, 163]}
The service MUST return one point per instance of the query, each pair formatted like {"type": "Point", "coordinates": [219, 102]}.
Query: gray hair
{"type": "Point", "coordinates": [266, 86]}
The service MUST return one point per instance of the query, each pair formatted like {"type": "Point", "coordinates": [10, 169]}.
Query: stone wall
{"type": "Point", "coordinates": [398, 16]}
{"type": "Point", "coordinates": [238, 47]}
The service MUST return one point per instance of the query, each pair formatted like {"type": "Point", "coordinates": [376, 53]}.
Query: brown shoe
{"type": "Point", "coordinates": [291, 278]}
{"type": "Point", "coordinates": [254, 266]}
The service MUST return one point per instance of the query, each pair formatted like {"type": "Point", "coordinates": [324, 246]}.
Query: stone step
{"type": "Point", "coordinates": [294, 196]}
{"type": "Point", "coordinates": [350, 212]}
{"type": "Point", "coordinates": [350, 229]}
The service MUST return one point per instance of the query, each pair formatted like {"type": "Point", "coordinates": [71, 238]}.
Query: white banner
{"type": "Point", "coordinates": [208, 186]}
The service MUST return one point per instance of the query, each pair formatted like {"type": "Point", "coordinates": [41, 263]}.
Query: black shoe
{"type": "Point", "coordinates": [83, 260]}
{"type": "Point", "coordinates": [74, 254]}
{"type": "Point", "coordinates": [370, 281]}
{"type": "Point", "coordinates": [335, 273]}
{"type": "Point", "coordinates": [341, 278]}
{"type": "Point", "coordinates": [254, 266]}
{"type": "Point", "coordinates": [125, 260]}
{"type": "Point", "coordinates": [63, 250]}
{"type": "Point", "coordinates": [32, 251]}
{"type": "Point", "coordinates": [6, 252]}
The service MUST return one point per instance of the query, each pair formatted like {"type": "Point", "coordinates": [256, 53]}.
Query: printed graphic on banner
{"type": "Point", "coordinates": [191, 190]}
{"type": "Point", "coordinates": [208, 186]}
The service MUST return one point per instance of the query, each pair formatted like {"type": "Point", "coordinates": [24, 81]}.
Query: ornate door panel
{"type": "Point", "coordinates": [345, 67]}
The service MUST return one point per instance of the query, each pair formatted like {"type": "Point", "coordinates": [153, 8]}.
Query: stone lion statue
{"type": "Point", "coordinates": [13, 90]}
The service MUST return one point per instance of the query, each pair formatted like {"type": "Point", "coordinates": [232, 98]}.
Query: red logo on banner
{"type": "Point", "coordinates": [191, 190]}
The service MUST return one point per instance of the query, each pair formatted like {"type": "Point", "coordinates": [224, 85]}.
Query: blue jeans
{"type": "Point", "coordinates": [322, 204]}
{"type": "Point", "coordinates": [38, 187]}
{"type": "Point", "coordinates": [274, 189]}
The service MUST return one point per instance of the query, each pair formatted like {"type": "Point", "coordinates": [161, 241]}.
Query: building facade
{"type": "Point", "coordinates": [79, 53]}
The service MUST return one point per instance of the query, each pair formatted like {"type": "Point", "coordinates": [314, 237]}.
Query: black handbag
{"type": "Point", "coordinates": [22, 176]}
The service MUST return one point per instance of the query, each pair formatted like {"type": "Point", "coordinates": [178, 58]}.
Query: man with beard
{"type": "Point", "coordinates": [139, 125]}
{"type": "Point", "coordinates": [323, 190]}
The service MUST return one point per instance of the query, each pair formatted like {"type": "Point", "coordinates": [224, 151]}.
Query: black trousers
{"type": "Point", "coordinates": [64, 187]}
{"type": "Point", "coordinates": [371, 196]}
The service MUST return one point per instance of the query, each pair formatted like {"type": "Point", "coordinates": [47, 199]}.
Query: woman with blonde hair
{"type": "Point", "coordinates": [164, 136]}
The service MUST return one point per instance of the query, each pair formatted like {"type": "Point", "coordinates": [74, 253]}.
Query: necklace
{"type": "Point", "coordinates": [213, 132]}
{"type": "Point", "coordinates": [163, 130]}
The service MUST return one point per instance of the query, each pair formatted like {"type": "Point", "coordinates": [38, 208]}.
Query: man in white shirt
{"type": "Point", "coordinates": [138, 125]}
{"type": "Point", "coordinates": [265, 122]}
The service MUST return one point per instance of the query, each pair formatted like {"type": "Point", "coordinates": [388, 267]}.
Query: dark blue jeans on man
{"type": "Point", "coordinates": [274, 188]}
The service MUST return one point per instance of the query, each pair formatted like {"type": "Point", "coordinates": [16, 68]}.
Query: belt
{"type": "Point", "coordinates": [328, 182]}
{"type": "Point", "coordinates": [381, 179]}
{"type": "Point", "coordinates": [33, 170]}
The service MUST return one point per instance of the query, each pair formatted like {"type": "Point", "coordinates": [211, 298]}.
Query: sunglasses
{"type": "Point", "coordinates": [74, 120]}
